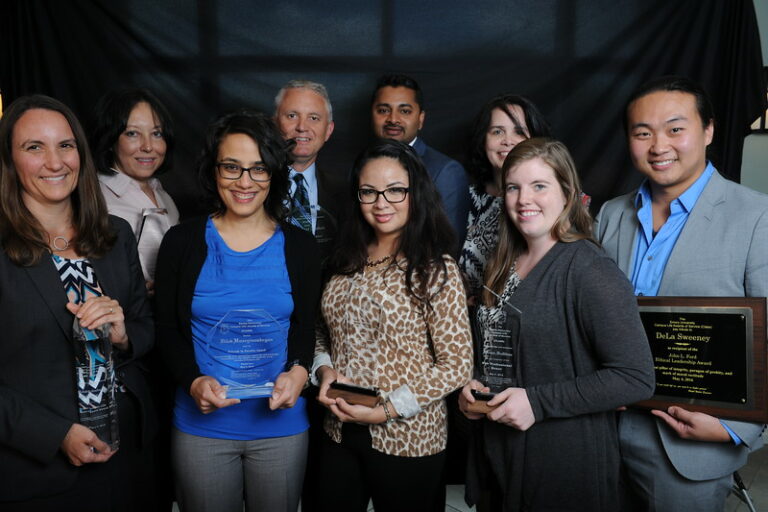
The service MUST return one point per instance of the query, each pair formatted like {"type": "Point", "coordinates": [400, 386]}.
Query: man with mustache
{"type": "Point", "coordinates": [397, 113]}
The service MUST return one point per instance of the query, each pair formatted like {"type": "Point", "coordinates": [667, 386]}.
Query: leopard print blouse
{"type": "Point", "coordinates": [373, 332]}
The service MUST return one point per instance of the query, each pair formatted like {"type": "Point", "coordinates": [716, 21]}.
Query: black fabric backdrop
{"type": "Point", "coordinates": [578, 60]}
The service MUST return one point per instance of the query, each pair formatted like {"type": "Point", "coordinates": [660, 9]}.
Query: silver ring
{"type": "Point", "coordinates": [111, 310]}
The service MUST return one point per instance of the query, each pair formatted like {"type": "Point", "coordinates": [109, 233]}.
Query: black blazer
{"type": "Point", "coordinates": [38, 393]}
{"type": "Point", "coordinates": [333, 197]}
{"type": "Point", "coordinates": [179, 262]}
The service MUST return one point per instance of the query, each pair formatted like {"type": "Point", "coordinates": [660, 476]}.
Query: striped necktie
{"type": "Point", "coordinates": [300, 212]}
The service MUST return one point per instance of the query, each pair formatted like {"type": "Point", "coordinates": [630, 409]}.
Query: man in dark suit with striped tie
{"type": "Point", "coordinates": [303, 113]}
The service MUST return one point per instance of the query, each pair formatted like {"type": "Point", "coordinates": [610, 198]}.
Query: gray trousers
{"type": "Point", "coordinates": [219, 474]}
{"type": "Point", "coordinates": [655, 484]}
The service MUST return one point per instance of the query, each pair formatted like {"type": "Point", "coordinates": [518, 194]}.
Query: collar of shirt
{"type": "Point", "coordinates": [413, 141]}
{"type": "Point", "coordinates": [684, 203]}
{"type": "Point", "coordinates": [652, 252]}
{"type": "Point", "coordinates": [120, 183]}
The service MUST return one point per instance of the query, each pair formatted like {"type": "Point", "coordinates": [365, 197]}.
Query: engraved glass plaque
{"type": "Point", "coordinates": [497, 334]}
{"type": "Point", "coordinates": [245, 351]}
{"type": "Point", "coordinates": [365, 320]}
{"type": "Point", "coordinates": [326, 226]}
{"type": "Point", "coordinates": [97, 406]}
{"type": "Point", "coordinates": [154, 224]}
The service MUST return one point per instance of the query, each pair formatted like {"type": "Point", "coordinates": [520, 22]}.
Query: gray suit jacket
{"type": "Point", "coordinates": [722, 251]}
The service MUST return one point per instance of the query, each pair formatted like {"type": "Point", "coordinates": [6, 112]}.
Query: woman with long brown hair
{"type": "Point", "coordinates": [67, 267]}
{"type": "Point", "coordinates": [562, 320]}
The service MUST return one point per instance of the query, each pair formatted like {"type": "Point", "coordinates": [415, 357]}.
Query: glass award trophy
{"type": "Point", "coordinates": [154, 224]}
{"type": "Point", "coordinates": [326, 227]}
{"type": "Point", "coordinates": [497, 334]}
{"type": "Point", "coordinates": [97, 406]}
{"type": "Point", "coordinates": [364, 320]}
{"type": "Point", "coordinates": [245, 351]}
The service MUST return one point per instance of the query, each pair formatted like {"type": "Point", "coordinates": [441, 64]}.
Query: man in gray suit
{"type": "Point", "coordinates": [686, 231]}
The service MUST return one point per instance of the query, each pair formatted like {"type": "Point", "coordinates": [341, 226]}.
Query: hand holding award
{"type": "Point", "coordinates": [497, 334]}
{"type": "Point", "coordinates": [244, 353]}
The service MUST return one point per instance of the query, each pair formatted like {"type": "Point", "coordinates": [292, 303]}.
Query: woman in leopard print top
{"type": "Point", "coordinates": [394, 317]}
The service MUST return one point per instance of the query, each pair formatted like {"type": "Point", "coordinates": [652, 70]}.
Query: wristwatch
{"type": "Point", "coordinates": [289, 366]}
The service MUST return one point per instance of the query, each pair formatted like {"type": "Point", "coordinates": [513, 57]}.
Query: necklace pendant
{"type": "Point", "coordinates": [56, 246]}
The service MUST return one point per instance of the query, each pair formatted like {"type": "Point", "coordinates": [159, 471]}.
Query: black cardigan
{"type": "Point", "coordinates": [179, 262]}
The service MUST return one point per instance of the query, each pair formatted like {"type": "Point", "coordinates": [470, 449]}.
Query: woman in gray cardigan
{"type": "Point", "coordinates": [574, 350]}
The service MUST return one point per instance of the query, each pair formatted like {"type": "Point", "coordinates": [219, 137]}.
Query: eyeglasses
{"type": "Point", "coordinates": [230, 171]}
{"type": "Point", "coordinates": [391, 195]}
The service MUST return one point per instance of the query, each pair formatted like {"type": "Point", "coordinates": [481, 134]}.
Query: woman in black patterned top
{"type": "Point", "coordinates": [502, 123]}
{"type": "Point", "coordinates": [63, 257]}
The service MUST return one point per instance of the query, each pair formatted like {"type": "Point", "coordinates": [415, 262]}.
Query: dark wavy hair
{"type": "Point", "coordinates": [479, 168]}
{"type": "Point", "coordinates": [275, 153]}
{"type": "Point", "coordinates": [23, 237]}
{"type": "Point", "coordinates": [574, 222]}
{"type": "Point", "coordinates": [112, 113]}
{"type": "Point", "coordinates": [426, 237]}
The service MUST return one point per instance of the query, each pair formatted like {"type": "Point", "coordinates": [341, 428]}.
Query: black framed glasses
{"type": "Point", "coordinates": [230, 171]}
{"type": "Point", "coordinates": [391, 195]}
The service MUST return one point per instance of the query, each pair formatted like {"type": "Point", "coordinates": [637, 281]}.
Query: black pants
{"type": "Point", "coordinates": [353, 473]}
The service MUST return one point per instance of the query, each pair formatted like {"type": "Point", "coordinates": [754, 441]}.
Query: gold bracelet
{"type": "Point", "coordinates": [390, 419]}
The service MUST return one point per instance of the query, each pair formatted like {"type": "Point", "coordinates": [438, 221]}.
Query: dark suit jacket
{"type": "Point", "coordinates": [181, 257]}
{"type": "Point", "coordinates": [333, 198]}
{"type": "Point", "coordinates": [38, 393]}
{"type": "Point", "coordinates": [452, 183]}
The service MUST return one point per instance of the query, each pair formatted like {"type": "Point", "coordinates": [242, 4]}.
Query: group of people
{"type": "Point", "coordinates": [402, 278]}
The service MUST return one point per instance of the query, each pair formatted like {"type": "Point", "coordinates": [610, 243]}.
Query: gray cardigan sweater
{"type": "Point", "coordinates": [582, 353]}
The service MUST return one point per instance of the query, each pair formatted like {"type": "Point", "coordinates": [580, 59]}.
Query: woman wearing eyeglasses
{"type": "Point", "coordinates": [393, 318]}
{"type": "Point", "coordinates": [240, 274]}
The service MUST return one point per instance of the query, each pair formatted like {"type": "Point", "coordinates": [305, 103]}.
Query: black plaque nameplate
{"type": "Point", "coordinates": [709, 354]}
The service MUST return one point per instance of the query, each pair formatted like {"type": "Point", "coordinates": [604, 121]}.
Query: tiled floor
{"type": "Point", "coordinates": [455, 499]}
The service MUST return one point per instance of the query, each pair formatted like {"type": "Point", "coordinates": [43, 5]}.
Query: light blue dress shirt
{"type": "Point", "coordinates": [652, 252]}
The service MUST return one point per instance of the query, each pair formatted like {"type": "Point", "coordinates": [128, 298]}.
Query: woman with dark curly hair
{"type": "Point", "coordinates": [225, 284]}
{"type": "Point", "coordinates": [393, 318]}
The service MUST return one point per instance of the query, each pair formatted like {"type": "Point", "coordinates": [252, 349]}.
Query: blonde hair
{"type": "Point", "coordinates": [574, 222]}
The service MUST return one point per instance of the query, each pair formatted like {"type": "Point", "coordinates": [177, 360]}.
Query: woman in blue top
{"type": "Point", "coordinates": [241, 264]}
